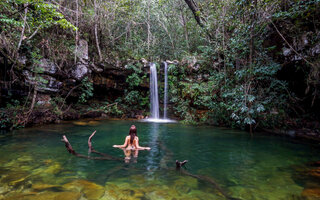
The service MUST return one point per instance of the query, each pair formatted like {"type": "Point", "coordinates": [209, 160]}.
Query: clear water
{"type": "Point", "coordinates": [34, 163]}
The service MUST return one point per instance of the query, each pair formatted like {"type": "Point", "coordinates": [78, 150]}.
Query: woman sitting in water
{"type": "Point", "coordinates": [132, 141]}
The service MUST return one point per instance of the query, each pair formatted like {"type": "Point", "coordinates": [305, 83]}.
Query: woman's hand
{"type": "Point", "coordinates": [147, 148]}
{"type": "Point", "coordinates": [115, 146]}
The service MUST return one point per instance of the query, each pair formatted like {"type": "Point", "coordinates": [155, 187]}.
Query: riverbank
{"type": "Point", "coordinates": [86, 115]}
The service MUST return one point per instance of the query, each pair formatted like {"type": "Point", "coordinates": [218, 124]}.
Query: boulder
{"type": "Point", "coordinates": [79, 71]}
{"type": "Point", "coordinates": [82, 50]}
{"type": "Point", "coordinates": [45, 83]}
{"type": "Point", "coordinates": [48, 66]}
{"type": "Point", "coordinates": [43, 100]}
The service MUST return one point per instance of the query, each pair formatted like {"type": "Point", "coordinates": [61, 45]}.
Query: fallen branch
{"type": "Point", "coordinates": [213, 182]}
{"type": "Point", "coordinates": [89, 141]}
{"type": "Point", "coordinates": [73, 152]}
{"type": "Point", "coordinates": [178, 164]}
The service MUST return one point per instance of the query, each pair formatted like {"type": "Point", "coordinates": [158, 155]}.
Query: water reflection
{"type": "Point", "coordinates": [154, 144]}
{"type": "Point", "coordinates": [130, 155]}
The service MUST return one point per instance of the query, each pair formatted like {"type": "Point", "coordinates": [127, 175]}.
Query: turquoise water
{"type": "Point", "coordinates": [34, 164]}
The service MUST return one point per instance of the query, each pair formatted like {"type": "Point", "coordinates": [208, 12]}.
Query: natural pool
{"type": "Point", "coordinates": [34, 164]}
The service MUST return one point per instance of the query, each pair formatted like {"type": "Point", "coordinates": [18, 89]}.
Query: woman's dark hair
{"type": "Point", "coordinates": [132, 133]}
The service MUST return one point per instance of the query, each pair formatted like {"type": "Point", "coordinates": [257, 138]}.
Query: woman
{"type": "Point", "coordinates": [132, 141]}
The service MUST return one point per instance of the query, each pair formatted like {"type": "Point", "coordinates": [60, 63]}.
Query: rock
{"type": "Point", "coordinates": [43, 100]}
{"type": "Point", "coordinates": [175, 62]}
{"type": "Point", "coordinates": [79, 71]}
{"type": "Point", "coordinates": [105, 82]}
{"type": "Point", "coordinates": [315, 49]}
{"type": "Point", "coordinates": [82, 67]}
{"type": "Point", "coordinates": [311, 193]}
{"type": "Point", "coordinates": [48, 66]}
{"type": "Point", "coordinates": [22, 59]}
{"type": "Point", "coordinates": [46, 84]}
{"type": "Point", "coordinates": [95, 68]}
{"type": "Point", "coordinates": [91, 190]}
{"type": "Point", "coordinates": [15, 178]}
{"type": "Point", "coordinates": [43, 186]}
{"type": "Point", "coordinates": [139, 117]}
{"type": "Point", "coordinates": [286, 51]}
{"type": "Point", "coordinates": [80, 123]}
{"type": "Point", "coordinates": [82, 50]}
{"type": "Point", "coordinates": [92, 114]}
{"type": "Point", "coordinates": [53, 169]}
{"type": "Point", "coordinates": [144, 62]}
{"type": "Point", "coordinates": [315, 172]}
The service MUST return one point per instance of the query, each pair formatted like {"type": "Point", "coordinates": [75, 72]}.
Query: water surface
{"type": "Point", "coordinates": [34, 164]}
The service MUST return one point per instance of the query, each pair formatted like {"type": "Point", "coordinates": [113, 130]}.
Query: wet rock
{"type": "Point", "coordinates": [46, 195]}
{"type": "Point", "coordinates": [43, 186]}
{"type": "Point", "coordinates": [311, 193]}
{"type": "Point", "coordinates": [185, 183]}
{"type": "Point", "coordinates": [53, 169]}
{"type": "Point", "coordinates": [90, 190]}
{"type": "Point", "coordinates": [80, 123]}
{"type": "Point", "coordinates": [139, 117]}
{"type": "Point", "coordinates": [315, 173]}
{"type": "Point", "coordinates": [15, 178]}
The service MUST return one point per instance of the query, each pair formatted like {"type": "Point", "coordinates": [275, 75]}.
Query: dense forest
{"type": "Point", "coordinates": [252, 65]}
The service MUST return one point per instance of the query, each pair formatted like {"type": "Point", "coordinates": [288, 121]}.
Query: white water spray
{"type": "Point", "coordinates": [154, 99]}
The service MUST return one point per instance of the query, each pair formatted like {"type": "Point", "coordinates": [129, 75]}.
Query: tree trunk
{"type": "Point", "coordinates": [24, 25]}
{"type": "Point", "coordinates": [96, 29]}
{"type": "Point", "coordinates": [77, 32]}
{"type": "Point", "coordinates": [195, 10]}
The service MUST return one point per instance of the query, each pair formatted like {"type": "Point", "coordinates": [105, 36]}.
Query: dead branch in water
{"type": "Point", "coordinates": [73, 152]}
{"type": "Point", "coordinates": [178, 164]}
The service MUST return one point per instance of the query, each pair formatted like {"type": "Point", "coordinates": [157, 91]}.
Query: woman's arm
{"type": "Point", "coordinates": [124, 145]}
{"type": "Point", "coordinates": [139, 147]}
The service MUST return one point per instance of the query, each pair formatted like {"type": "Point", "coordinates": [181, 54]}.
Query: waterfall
{"type": "Point", "coordinates": [154, 99]}
{"type": "Point", "coordinates": [165, 101]}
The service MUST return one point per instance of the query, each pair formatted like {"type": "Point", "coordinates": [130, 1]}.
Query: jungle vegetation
{"type": "Point", "coordinates": [250, 64]}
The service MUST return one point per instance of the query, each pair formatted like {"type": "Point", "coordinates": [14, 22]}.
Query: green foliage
{"type": "Point", "coordinates": [135, 98]}
{"type": "Point", "coordinates": [86, 90]}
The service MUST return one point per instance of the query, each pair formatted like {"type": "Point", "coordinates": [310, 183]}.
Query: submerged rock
{"type": "Point", "coordinates": [14, 178]}
{"type": "Point", "coordinates": [43, 186]}
{"type": "Point", "coordinates": [311, 193]}
{"type": "Point", "coordinates": [90, 190]}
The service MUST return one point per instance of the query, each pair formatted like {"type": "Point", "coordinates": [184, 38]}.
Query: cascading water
{"type": "Point", "coordinates": [154, 99]}
{"type": "Point", "coordinates": [165, 101]}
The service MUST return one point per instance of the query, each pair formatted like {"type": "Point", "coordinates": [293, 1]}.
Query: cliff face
{"type": "Point", "coordinates": [42, 92]}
